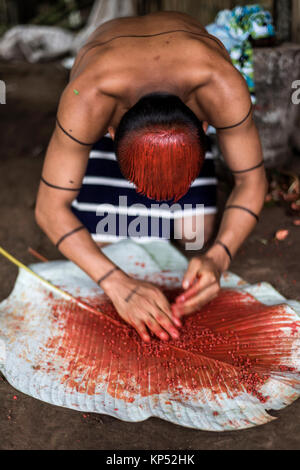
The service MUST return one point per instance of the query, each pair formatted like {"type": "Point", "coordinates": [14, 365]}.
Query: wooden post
{"type": "Point", "coordinates": [296, 21]}
{"type": "Point", "coordinates": [283, 19]}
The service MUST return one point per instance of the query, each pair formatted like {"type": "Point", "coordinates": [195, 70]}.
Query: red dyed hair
{"type": "Point", "coordinates": [162, 161]}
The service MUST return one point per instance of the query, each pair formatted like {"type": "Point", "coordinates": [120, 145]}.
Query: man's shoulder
{"type": "Point", "coordinates": [225, 96]}
{"type": "Point", "coordinates": [229, 83]}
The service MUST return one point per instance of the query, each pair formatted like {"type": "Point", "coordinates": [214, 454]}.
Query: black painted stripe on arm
{"type": "Point", "coordinates": [68, 234]}
{"type": "Point", "coordinates": [218, 242]}
{"type": "Point", "coordinates": [234, 206]}
{"type": "Point", "coordinates": [71, 137]}
{"type": "Point", "coordinates": [58, 187]}
{"type": "Point", "coordinates": [238, 124]}
{"type": "Point", "coordinates": [248, 169]}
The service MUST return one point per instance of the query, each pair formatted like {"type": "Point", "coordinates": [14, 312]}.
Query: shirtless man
{"type": "Point", "coordinates": [126, 59]}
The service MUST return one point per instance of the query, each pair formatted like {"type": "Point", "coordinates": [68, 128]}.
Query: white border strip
{"type": "Point", "coordinates": [136, 211]}
{"type": "Point", "coordinates": [204, 182]}
{"type": "Point", "coordinates": [103, 155]}
{"type": "Point", "coordinates": [106, 181]}
{"type": "Point", "coordinates": [119, 183]}
{"type": "Point", "coordinates": [209, 156]}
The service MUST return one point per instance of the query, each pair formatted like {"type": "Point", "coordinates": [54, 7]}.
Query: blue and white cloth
{"type": "Point", "coordinates": [234, 28]}
{"type": "Point", "coordinates": [109, 206]}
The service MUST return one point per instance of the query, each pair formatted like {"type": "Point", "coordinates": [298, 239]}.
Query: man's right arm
{"type": "Point", "coordinates": [84, 117]}
{"type": "Point", "coordinates": [63, 172]}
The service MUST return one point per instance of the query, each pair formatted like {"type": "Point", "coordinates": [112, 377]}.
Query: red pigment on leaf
{"type": "Point", "coordinates": [234, 344]}
{"type": "Point", "coordinates": [162, 161]}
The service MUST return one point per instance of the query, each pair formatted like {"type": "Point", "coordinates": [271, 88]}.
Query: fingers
{"type": "Point", "coordinates": [162, 303]}
{"type": "Point", "coordinates": [191, 273]}
{"type": "Point", "coordinates": [154, 326]}
{"type": "Point", "coordinates": [176, 319]}
{"type": "Point", "coordinates": [150, 309]}
{"type": "Point", "coordinates": [163, 320]}
{"type": "Point", "coordinates": [200, 299]}
{"type": "Point", "coordinates": [206, 279]}
{"type": "Point", "coordinates": [176, 311]}
{"type": "Point", "coordinates": [167, 320]}
{"type": "Point", "coordinates": [157, 322]}
{"type": "Point", "coordinates": [165, 307]}
{"type": "Point", "coordinates": [156, 329]}
{"type": "Point", "coordinates": [141, 329]}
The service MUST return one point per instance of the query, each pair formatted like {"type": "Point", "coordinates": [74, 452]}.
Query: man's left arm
{"type": "Point", "coordinates": [241, 148]}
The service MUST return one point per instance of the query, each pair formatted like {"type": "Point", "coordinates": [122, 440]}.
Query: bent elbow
{"type": "Point", "coordinates": [263, 185]}
{"type": "Point", "coordinates": [40, 215]}
{"type": "Point", "coordinates": [266, 185]}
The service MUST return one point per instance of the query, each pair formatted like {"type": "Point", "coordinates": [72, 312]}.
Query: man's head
{"type": "Point", "coordinates": [160, 146]}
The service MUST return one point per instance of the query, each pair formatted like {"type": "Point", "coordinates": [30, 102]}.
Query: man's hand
{"type": "Point", "coordinates": [201, 283]}
{"type": "Point", "coordinates": [143, 305]}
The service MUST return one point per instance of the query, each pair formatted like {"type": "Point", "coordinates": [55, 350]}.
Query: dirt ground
{"type": "Point", "coordinates": [26, 423]}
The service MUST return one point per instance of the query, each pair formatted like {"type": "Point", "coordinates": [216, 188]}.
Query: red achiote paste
{"type": "Point", "coordinates": [233, 344]}
{"type": "Point", "coordinates": [162, 163]}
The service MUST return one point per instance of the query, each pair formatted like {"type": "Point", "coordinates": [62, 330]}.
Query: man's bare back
{"type": "Point", "coordinates": [167, 51]}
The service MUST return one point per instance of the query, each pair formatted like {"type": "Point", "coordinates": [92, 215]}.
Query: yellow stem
{"type": "Point", "coordinates": [48, 284]}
